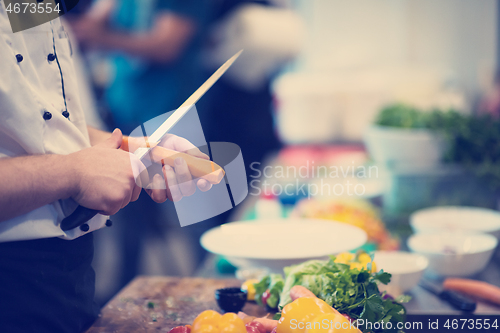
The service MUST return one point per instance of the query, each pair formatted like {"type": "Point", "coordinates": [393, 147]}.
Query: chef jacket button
{"type": "Point", "coordinates": [51, 57]}
{"type": "Point", "coordinates": [19, 57]}
{"type": "Point", "coordinates": [84, 227]}
{"type": "Point", "coordinates": [66, 113]}
{"type": "Point", "coordinates": [109, 223]}
{"type": "Point", "coordinates": [47, 115]}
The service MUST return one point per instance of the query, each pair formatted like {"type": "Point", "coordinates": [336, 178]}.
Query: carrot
{"type": "Point", "coordinates": [480, 289]}
{"type": "Point", "coordinates": [299, 291]}
{"type": "Point", "coordinates": [269, 324]}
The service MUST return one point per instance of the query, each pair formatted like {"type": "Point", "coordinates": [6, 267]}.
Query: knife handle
{"type": "Point", "coordinates": [77, 218]}
{"type": "Point", "coordinates": [458, 301]}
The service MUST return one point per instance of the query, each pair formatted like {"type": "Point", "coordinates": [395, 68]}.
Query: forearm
{"type": "Point", "coordinates": [145, 46]}
{"type": "Point", "coordinates": [30, 182]}
{"type": "Point", "coordinates": [97, 136]}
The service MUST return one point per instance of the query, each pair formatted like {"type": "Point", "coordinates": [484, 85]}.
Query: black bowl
{"type": "Point", "coordinates": [231, 299]}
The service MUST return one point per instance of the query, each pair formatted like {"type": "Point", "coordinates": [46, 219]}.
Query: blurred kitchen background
{"type": "Point", "coordinates": [332, 83]}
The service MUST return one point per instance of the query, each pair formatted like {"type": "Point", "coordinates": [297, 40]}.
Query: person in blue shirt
{"type": "Point", "coordinates": [154, 49]}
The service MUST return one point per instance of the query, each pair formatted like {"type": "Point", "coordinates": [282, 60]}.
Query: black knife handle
{"type": "Point", "coordinates": [77, 218]}
{"type": "Point", "coordinates": [458, 301]}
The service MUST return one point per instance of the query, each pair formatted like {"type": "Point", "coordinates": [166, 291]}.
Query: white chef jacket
{"type": "Point", "coordinates": [40, 113]}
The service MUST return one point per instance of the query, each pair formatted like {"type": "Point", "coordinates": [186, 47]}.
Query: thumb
{"type": "Point", "coordinates": [114, 141]}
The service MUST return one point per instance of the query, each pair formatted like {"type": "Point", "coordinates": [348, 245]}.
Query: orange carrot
{"type": "Point", "coordinates": [299, 291]}
{"type": "Point", "coordinates": [269, 324]}
{"type": "Point", "coordinates": [480, 289]}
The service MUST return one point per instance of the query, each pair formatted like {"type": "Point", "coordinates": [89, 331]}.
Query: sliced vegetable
{"type": "Point", "coordinates": [212, 322]}
{"type": "Point", "coordinates": [258, 326]}
{"type": "Point", "coordinates": [180, 329]}
{"type": "Point", "coordinates": [268, 324]}
{"type": "Point", "coordinates": [268, 290]}
{"type": "Point", "coordinates": [249, 287]}
{"type": "Point", "coordinates": [350, 290]}
{"type": "Point", "coordinates": [302, 310]}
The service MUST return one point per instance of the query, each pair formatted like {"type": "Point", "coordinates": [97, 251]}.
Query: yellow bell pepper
{"type": "Point", "coordinates": [344, 258]}
{"type": "Point", "coordinates": [296, 315]}
{"type": "Point", "coordinates": [331, 323]}
{"type": "Point", "coordinates": [210, 321]}
{"type": "Point", "coordinates": [360, 262]}
{"type": "Point", "coordinates": [248, 285]}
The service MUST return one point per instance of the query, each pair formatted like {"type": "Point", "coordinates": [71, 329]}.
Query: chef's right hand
{"type": "Point", "coordinates": [104, 176]}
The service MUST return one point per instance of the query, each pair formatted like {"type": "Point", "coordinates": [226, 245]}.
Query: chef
{"type": "Point", "coordinates": [50, 162]}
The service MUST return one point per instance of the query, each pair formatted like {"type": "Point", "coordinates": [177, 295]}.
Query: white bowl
{"type": "Point", "coordinates": [455, 218]}
{"type": "Point", "coordinates": [404, 147]}
{"type": "Point", "coordinates": [277, 243]}
{"type": "Point", "coordinates": [454, 254]}
{"type": "Point", "coordinates": [406, 269]}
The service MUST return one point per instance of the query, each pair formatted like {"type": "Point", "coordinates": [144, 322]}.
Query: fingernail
{"type": "Point", "coordinates": [167, 167]}
{"type": "Point", "coordinates": [178, 161]}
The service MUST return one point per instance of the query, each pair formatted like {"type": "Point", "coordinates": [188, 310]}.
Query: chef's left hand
{"type": "Point", "coordinates": [177, 182]}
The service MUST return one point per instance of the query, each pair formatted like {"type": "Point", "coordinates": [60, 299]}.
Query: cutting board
{"type": "Point", "coordinates": [157, 304]}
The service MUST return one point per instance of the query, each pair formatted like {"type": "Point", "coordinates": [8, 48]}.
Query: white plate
{"type": "Point", "coordinates": [277, 243]}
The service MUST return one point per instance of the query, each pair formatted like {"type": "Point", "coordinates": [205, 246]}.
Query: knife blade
{"type": "Point", "coordinates": [84, 214]}
{"type": "Point", "coordinates": [457, 300]}
{"type": "Point", "coordinates": [184, 108]}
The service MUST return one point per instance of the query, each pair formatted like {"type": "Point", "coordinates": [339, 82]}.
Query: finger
{"type": "Point", "coordinates": [173, 191]}
{"type": "Point", "coordinates": [136, 193]}
{"type": "Point", "coordinates": [126, 199]}
{"type": "Point", "coordinates": [184, 179]}
{"type": "Point", "coordinates": [204, 185]}
{"type": "Point", "coordinates": [158, 193]}
{"type": "Point", "coordinates": [140, 171]}
{"type": "Point", "coordinates": [197, 153]}
{"type": "Point", "coordinates": [177, 143]}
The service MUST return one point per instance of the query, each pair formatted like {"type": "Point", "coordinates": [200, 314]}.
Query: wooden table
{"type": "Point", "coordinates": [157, 304]}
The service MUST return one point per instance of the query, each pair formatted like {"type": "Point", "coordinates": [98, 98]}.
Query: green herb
{"type": "Point", "coordinates": [473, 141]}
{"type": "Point", "coordinates": [402, 116]}
{"type": "Point", "coordinates": [151, 305]}
{"type": "Point", "coordinates": [351, 291]}
{"type": "Point", "coordinates": [274, 283]}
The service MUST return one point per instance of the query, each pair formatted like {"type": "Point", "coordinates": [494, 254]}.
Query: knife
{"type": "Point", "coordinates": [457, 300]}
{"type": "Point", "coordinates": [83, 214]}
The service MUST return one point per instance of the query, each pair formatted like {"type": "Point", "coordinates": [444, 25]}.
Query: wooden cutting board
{"type": "Point", "coordinates": [157, 304]}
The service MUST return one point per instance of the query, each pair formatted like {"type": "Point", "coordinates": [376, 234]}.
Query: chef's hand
{"type": "Point", "coordinates": [104, 176]}
{"type": "Point", "coordinates": [177, 182]}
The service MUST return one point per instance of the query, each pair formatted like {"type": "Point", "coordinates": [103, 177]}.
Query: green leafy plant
{"type": "Point", "coordinates": [473, 141]}
{"type": "Point", "coordinates": [351, 291]}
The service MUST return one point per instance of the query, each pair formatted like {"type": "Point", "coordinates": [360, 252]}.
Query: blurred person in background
{"type": "Point", "coordinates": [153, 49]}
{"type": "Point", "coordinates": [271, 35]}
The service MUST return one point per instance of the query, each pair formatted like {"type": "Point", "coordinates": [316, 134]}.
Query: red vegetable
{"type": "Point", "coordinates": [269, 324]}
{"type": "Point", "coordinates": [180, 329]}
{"type": "Point", "coordinates": [251, 329]}
{"type": "Point", "coordinates": [274, 330]}
{"type": "Point", "coordinates": [265, 296]}
{"type": "Point", "coordinates": [260, 328]}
